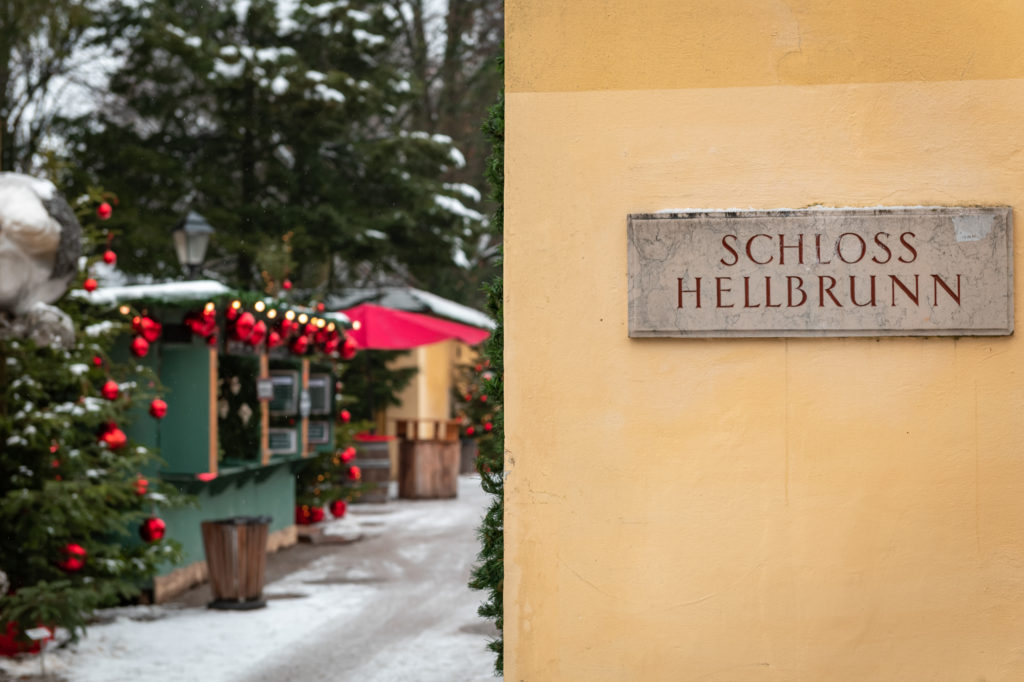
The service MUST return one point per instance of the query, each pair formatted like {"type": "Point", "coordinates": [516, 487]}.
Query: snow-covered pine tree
{"type": "Point", "coordinates": [73, 488]}
{"type": "Point", "coordinates": [269, 117]}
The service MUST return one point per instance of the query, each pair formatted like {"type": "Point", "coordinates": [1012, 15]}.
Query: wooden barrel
{"type": "Point", "coordinates": [374, 462]}
{"type": "Point", "coordinates": [469, 451]}
{"type": "Point", "coordinates": [236, 555]}
{"type": "Point", "coordinates": [428, 458]}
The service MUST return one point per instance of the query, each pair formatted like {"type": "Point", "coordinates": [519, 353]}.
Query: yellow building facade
{"type": "Point", "coordinates": [754, 509]}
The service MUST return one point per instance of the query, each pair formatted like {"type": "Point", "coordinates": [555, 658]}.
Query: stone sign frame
{"type": "Point", "coordinates": [895, 271]}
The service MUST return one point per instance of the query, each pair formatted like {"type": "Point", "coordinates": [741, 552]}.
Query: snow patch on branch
{"type": "Point", "coordinates": [453, 205]}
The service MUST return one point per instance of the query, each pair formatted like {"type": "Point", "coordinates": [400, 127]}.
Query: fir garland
{"type": "Point", "coordinates": [489, 574]}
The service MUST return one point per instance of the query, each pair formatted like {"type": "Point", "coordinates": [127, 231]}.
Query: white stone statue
{"type": "Point", "coordinates": [40, 242]}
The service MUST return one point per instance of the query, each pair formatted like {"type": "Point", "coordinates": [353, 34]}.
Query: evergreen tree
{"type": "Point", "coordinates": [270, 117]}
{"type": "Point", "coordinates": [73, 496]}
{"type": "Point", "coordinates": [489, 574]}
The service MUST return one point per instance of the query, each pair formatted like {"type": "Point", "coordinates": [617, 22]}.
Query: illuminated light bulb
{"type": "Point", "coordinates": [303, 318]}
{"type": "Point", "coordinates": [260, 306]}
{"type": "Point", "coordinates": [236, 304]}
{"type": "Point", "coordinates": [321, 323]}
{"type": "Point", "coordinates": [271, 314]}
{"type": "Point", "coordinates": [330, 327]}
{"type": "Point", "coordinates": [124, 310]}
{"type": "Point", "coordinates": [356, 325]}
{"type": "Point", "coordinates": [209, 307]}
{"type": "Point", "coordinates": [290, 315]}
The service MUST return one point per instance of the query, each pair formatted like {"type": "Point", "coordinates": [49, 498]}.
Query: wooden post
{"type": "Point", "coordinates": [214, 440]}
{"type": "Point", "coordinates": [304, 432]}
{"type": "Point", "coordinates": [264, 413]}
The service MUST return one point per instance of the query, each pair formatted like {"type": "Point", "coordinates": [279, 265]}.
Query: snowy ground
{"type": "Point", "coordinates": [392, 607]}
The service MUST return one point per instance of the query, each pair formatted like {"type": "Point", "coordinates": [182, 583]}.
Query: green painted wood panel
{"type": "Point", "coordinates": [185, 431]}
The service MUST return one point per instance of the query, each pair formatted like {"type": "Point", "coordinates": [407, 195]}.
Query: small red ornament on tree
{"type": "Point", "coordinates": [104, 211]}
{"type": "Point", "coordinates": [345, 416]}
{"type": "Point", "coordinates": [109, 257]}
{"type": "Point", "coordinates": [488, 426]}
{"type": "Point", "coordinates": [152, 529]}
{"type": "Point", "coordinates": [483, 398]}
{"type": "Point", "coordinates": [90, 284]}
{"type": "Point", "coordinates": [244, 326]}
{"type": "Point", "coordinates": [140, 347]}
{"type": "Point", "coordinates": [114, 437]}
{"type": "Point", "coordinates": [286, 285]}
{"type": "Point", "coordinates": [148, 327]}
{"type": "Point", "coordinates": [348, 348]}
{"type": "Point", "coordinates": [338, 508]}
{"type": "Point", "coordinates": [470, 430]}
{"type": "Point", "coordinates": [300, 345]}
{"type": "Point", "coordinates": [354, 473]}
{"type": "Point", "coordinates": [259, 332]}
{"type": "Point", "coordinates": [110, 390]}
{"type": "Point", "coordinates": [274, 340]}
{"type": "Point", "coordinates": [97, 361]}
{"type": "Point", "coordinates": [348, 454]}
{"type": "Point", "coordinates": [141, 486]}
{"type": "Point", "coordinates": [74, 558]}
{"type": "Point", "coordinates": [158, 408]}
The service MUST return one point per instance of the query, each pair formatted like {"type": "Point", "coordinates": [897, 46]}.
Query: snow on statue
{"type": "Point", "coordinates": [40, 242]}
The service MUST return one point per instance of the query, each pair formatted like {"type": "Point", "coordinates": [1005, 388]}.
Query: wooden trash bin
{"type": "Point", "coordinates": [374, 461]}
{"type": "Point", "coordinates": [236, 555]}
{"type": "Point", "coordinates": [428, 458]}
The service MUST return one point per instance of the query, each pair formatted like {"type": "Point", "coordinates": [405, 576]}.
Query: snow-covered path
{"type": "Point", "coordinates": [392, 607]}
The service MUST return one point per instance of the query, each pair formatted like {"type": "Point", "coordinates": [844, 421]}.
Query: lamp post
{"type": "Point", "coordinates": [190, 242]}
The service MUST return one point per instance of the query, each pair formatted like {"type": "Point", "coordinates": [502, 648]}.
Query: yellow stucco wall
{"type": "Point", "coordinates": [834, 509]}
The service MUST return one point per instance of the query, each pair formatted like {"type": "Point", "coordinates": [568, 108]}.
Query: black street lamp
{"type": "Point", "coordinates": [190, 242]}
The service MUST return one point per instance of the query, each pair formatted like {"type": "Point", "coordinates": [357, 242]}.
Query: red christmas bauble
{"type": "Point", "coordinates": [231, 314]}
{"type": "Point", "coordinates": [141, 486]}
{"type": "Point", "coordinates": [104, 211]}
{"type": "Point", "coordinates": [354, 473]}
{"type": "Point", "coordinates": [110, 390]}
{"type": "Point", "coordinates": [338, 508]}
{"type": "Point", "coordinates": [148, 327]}
{"type": "Point", "coordinates": [479, 368]}
{"type": "Point", "coordinates": [74, 557]}
{"type": "Point", "coordinates": [300, 345]}
{"type": "Point", "coordinates": [303, 516]}
{"type": "Point", "coordinates": [158, 408]}
{"type": "Point", "coordinates": [211, 340]}
{"type": "Point", "coordinates": [286, 285]}
{"type": "Point", "coordinates": [467, 397]}
{"type": "Point", "coordinates": [310, 329]}
{"type": "Point", "coordinates": [316, 514]}
{"type": "Point", "coordinates": [97, 361]}
{"type": "Point", "coordinates": [348, 348]}
{"type": "Point", "coordinates": [488, 426]}
{"type": "Point", "coordinates": [244, 326]}
{"type": "Point", "coordinates": [140, 347]}
{"type": "Point", "coordinates": [346, 416]}
{"type": "Point", "coordinates": [114, 438]}
{"type": "Point", "coordinates": [470, 430]}
{"type": "Point", "coordinates": [348, 454]}
{"type": "Point", "coordinates": [109, 257]}
{"type": "Point", "coordinates": [274, 340]}
{"type": "Point", "coordinates": [483, 398]}
{"type": "Point", "coordinates": [331, 346]}
{"type": "Point", "coordinates": [259, 332]}
{"type": "Point", "coordinates": [90, 284]}
{"type": "Point", "coordinates": [320, 307]}
{"type": "Point", "coordinates": [152, 529]}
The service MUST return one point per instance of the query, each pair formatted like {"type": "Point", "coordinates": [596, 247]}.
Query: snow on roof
{"type": "Point", "coordinates": [413, 300]}
{"type": "Point", "coordinates": [167, 292]}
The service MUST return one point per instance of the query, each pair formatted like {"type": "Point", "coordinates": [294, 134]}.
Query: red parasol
{"type": "Point", "coordinates": [378, 328]}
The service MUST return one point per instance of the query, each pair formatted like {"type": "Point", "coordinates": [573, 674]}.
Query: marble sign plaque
{"type": "Point", "coordinates": [822, 272]}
